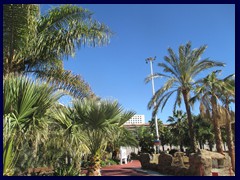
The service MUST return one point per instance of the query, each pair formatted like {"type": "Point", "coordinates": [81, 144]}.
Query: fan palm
{"type": "Point", "coordinates": [66, 138]}
{"type": "Point", "coordinates": [37, 44]}
{"type": "Point", "coordinates": [25, 107]}
{"type": "Point", "coordinates": [99, 120]}
{"type": "Point", "coordinates": [181, 69]}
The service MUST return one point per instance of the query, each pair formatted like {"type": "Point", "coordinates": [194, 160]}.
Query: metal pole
{"type": "Point", "coordinates": [153, 91]}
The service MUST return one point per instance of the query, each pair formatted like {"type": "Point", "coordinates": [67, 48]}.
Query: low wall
{"type": "Point", "coordinates": [202, 163]}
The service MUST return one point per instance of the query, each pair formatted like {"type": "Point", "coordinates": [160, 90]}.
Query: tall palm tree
{"type": "Point", "coordinates": [208, 91]}
{"type": "Point", "coordinates": [228, 98]}
{"type": "Point", "coordinates": [99, 120]}
{"type": "Point", "coordinates": [181, 70]}
{"type": "Point", "coordinates": [36, 44]}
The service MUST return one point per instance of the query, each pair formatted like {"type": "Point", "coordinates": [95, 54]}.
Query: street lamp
{"type": "Point", "coordinates": [157, 142]}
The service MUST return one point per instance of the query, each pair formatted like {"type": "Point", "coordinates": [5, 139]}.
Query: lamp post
{"type": "Point", "coordinates": [157, 142]}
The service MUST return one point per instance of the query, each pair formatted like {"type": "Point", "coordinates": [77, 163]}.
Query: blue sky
{"type": "Point", "coordinates": [117, 71]}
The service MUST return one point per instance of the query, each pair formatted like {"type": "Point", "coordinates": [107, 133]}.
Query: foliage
{"type": "Point", "coordinates": [145, 139]}
{"type": "Point", "coordinates": [25, 108]}
{"type": "Point", "coordinates": [100, 120]}
{"type": "Point", "coordinates": [207, 93]}
{"type": "Point", "coordinates": [204, 131]}
{"type": "Point", "coordinates": [167, 137]}
{"type": "Point", "coordinates": [109, 162]}
{"type": "Point", "coordinates": [178, 127]}
{"type": "Point", "coordinates": [66, 170]}
{"type": "Point", "coordinates": [123, 137]}
{"type": "Point", "coordinates": [180, 72]}
{"type": "Point", "coordinates": [9, 158]}
{"type": "Point", "coordinates": [37, 44]}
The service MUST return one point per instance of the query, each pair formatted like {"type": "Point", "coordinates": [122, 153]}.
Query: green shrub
{"type": "Point", "coordinates": [66, 170]}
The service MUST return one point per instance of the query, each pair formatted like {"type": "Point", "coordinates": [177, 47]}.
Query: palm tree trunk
{"type": "Point", "coordinates": [217, 130]}
{"type": "Point", "coordinates": [210, 146]}
{"type": "Point", "coordinates": [181, 148]}
{"type": "Point", "coordinates": [224, 146]}
{"type": "Point", "coordinates": [200, 144]}
{"type": "Point", "coordinates": [230, 144]}
{"type": "Point", "coordinates": [163, 148]}
{"type": "Point", "coordinates": [11, 48]}
{"type": "Point", "coordinates": [193, 145]}
{"type": "Point", "coordinates": [94, 166]}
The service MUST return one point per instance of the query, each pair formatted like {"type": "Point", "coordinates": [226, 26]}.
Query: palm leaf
{"type": "Point", "coordinates": [9, 157]}
{"type": "Point", "coordinates": [72, 84]}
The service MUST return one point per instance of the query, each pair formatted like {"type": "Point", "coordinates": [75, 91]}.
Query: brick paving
{"type": "Point", "coordinates": [129, 169]}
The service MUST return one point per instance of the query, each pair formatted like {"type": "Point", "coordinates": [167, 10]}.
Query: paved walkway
{"type": "Point", "coordinates": [130, 169]}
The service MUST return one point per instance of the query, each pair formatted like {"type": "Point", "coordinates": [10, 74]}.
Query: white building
{"type": "Point", "coordinates": [136, 119]}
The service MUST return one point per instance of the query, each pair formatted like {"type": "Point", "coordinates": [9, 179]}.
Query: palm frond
{"type": "Point", "coordinates": [204, 65]}
{"type": "Point", "coordinates": [67, 27]}
{"type": "Point", "coordinates": [161, 91]}
{"type": "Point", "coordinates": [61, 16]}
{"type": "Point", "coordinates": [65, 80]}
{"type": "Point", "coordinates": [18, 28]}
{"type": "Point", "coordinates": [155, 75]}
{"type": "Point", "coordinates": [161, 102]}
{"type": "Point", "coordinates": [173, 70]}
{"type": "Point", "coordinates": [178, 99]}
{"type": "Point", "coordinates": [125, 117]}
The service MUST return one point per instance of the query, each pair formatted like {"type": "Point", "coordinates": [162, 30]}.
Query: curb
{"type": "Point", "coordinates": [149, 172]}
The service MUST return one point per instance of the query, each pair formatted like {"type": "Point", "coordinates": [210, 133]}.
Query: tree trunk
{"type": "Point", "coordinates": [200, 144]}
{"type": "Point", "coordinates": [230, 144]}
{"type": "Point", "coordinates": [224, 146]}
{"type": "Point", "coordinates": [217, 130]}
{"type": "Point", "coordinates": [193, 146]}
{"type": "Point", "coordinates": [181, 147]}
{"type": "Point", "coordinates": [210, 144]}
{"type": "Point", "coordinates": [163, 147]}
{"type": "Point", "coordinates": [94, 166]}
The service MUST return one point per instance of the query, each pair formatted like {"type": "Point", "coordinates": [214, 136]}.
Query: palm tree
{"type": "Point", "coordinates": [181, 69]}
{"type": "Point", "coordinates": [25, 108]}
{"type": "Point", "coordinates": [228, 98]}
{"type": "Point", "coordinates": [167, 137]}
{"type": "Point", "coordinates": [36, 44]}
{"type": "Point", "coordinates": [177, 124]}
{"type": "Point", "coordinates": [145, 139]}
{"type": "Point", "coordinates": [66, 142]}
{"type": "Point", "coordinates": [99, 121]}
{"type": "Point", "coordinates": [123, 137]}
{"type": "Point", "coordinates": [204, 130]}
{"type": "Point", "coordinates": [208, 91]}
{"type": "Point", "coordinates": [160, 128]}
